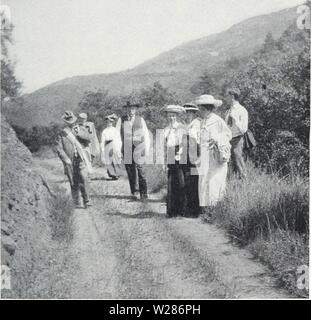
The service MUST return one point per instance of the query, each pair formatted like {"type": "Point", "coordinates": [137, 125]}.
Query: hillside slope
{"type": "Point", "coordinates": [176, 69]}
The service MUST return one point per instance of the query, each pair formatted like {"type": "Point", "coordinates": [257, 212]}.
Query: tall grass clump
{"type": "Point", "coordinates": [270, 215]}
{"type": "Point", "coordinates": [61, 215]}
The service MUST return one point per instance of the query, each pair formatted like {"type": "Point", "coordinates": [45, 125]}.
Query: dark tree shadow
{"type": "Point", "coordinates": [124, 197]}
{"type": "Point", "coordinates": [102, 179]}
{"type": "Point", "coordinates": [112, 196]}
{"type": "Point", "coordinates": [140, 215]}
{"type": "Point", "coordinates": [60, 181]}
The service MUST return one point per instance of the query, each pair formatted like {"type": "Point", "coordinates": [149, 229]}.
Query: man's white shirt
{"type": "Point", "coordinates": [240, 119]}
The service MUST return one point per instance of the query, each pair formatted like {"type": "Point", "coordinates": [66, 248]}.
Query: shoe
{"type": "Point", "coordinates": [134, 196]}
{"type": "Point", "coordinates": [87, 204]}
{"type": "Point", "coordinates": [144, 198]}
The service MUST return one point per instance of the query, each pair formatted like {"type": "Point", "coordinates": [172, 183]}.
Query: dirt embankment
{"type": "Point", "coordinates": [26, 244]}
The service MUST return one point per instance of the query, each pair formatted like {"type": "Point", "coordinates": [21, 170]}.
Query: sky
{"type": "Point", "coordinates": [56, 39]}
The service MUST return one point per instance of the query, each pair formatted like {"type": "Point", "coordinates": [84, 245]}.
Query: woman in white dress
{"type": "Point", "coordinates": [111, 148]}
{"type": "Point", "coordinates": [215, 153]}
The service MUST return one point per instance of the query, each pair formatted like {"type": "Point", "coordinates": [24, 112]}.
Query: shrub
{"type": "Point", "coordinates": [38, 136]}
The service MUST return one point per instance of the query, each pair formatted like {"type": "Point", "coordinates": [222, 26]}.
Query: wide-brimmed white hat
{"type": "Point", "coordinates": [111, 117]}
{"type": "Point", "coordinates": [69, 117]}
{"type": "Point", "coordinates": [190, 107]}
{"type": "Point", "coordinates": [207, 99]}
{"type": "Point", "coordinates": [174, 108]}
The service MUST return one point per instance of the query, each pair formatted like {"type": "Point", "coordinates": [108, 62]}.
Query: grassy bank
{"type": "Point", "coordinates": [266, 214]}
{"type": "Point", "coordinates": [270, 216]}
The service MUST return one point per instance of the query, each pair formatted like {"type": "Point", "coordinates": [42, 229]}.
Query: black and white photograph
{"type": "Point", "coordinates": [155, 150]}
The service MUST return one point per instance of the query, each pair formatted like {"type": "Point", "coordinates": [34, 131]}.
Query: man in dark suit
{"type": "Point", "coordinates": [135, 148]}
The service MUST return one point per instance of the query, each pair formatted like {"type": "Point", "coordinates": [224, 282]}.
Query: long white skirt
{"type": "Point", "coordinates": [212, 181]}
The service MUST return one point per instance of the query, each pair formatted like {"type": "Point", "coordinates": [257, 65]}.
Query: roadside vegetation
{"type": "Point", "coordinates": [269, 216]}
{"type": "Point", "coordinates": [61, 215]}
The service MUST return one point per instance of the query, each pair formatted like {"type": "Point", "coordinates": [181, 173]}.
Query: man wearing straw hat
{"type": "Point", "coordinates": [135, 148]}
{"type": "Point", "coordinates": [76, 162]}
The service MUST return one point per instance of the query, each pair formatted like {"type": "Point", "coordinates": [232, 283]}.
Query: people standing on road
{"type": "Point", "coordinates": [174, 135]}
{"type": "Point", "coordinates": [237, 120]}
{"type": "Point", "coordinates": [94, 147]}
{"type": "Point", "coordinates": [77, 165]}
{"type": "Point", "coordinates": [135, 148]}
{"type": "Point", "coordinates": [215, 148]}
{"type": "Point", "coordinates": [192, 149]}
{"type": "Point", "coordinates": [111, 148]}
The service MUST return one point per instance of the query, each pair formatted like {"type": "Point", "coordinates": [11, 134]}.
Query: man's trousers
{"type": "Point", "coordinates": [237, 161]}
{"type": "Point", "coordinates": [133, 170]}
{"type": "Point", "coordinates": [79, 181]}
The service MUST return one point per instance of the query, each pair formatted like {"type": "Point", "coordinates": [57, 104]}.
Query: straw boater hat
{"type": "Point", "coordinates": [69, 117]}
{"type": "Point", "coordinates": [207, 99]}
{"type": "Point", "coordinates": [190, 107]}
{"type": "Point", "coordinates": [82, 116]}
{"type": "Point", "coordinates": [173, 108]}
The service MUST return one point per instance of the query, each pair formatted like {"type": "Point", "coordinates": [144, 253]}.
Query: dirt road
{"type": "Point", "coordinates": [127, 249]}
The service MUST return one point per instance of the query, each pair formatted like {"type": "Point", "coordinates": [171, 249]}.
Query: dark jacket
{"type": "Point", "coordinates": [65, 148]}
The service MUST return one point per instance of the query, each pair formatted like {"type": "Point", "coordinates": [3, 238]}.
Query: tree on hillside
{"type": "Point", "coordinates": [97, 105]}
{"type": "Point", "coordinates": [269, 43]}
{"type": "Point", "coordinates": [206, 84]}
{"type": "Point", "coordinates": [153, 99]}
{"type": "Point", "coordinates": [274, 84]}
{"type": "Point", "coordinates": [278, 98]}
{"type": "Point", "coordinates": [10, 86]}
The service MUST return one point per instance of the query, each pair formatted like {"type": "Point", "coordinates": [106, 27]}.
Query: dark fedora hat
{"type": "Point", "coordinates": [69, 117]}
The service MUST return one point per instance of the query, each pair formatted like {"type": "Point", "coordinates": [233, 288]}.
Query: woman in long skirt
{"type": "Point", "coordinates": [215, 154]}
{"type": "Point", "coordinates": [111, 148]}
{"type": "Point", "coordinates": [192, 149]}
{"type": "Point", "coordinates": [174, 135]}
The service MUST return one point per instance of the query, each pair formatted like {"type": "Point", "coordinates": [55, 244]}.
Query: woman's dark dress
{"type": "Point", "coordinates": [176, 193]}
{"type": "Point", "coordinates": [191, 178]}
